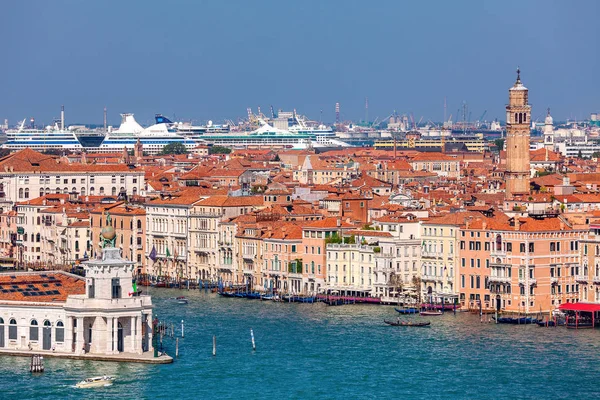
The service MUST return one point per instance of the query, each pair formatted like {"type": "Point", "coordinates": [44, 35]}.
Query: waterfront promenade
{"type": "Point", "coordinates": [308, 351]}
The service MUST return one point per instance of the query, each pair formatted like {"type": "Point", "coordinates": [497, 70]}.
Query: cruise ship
{"type": "Point", "coordinates": [268, 136]}
{"type": "Point", "coordinates": [153, 138]}
{"type": "Point", "coordinates": [53, 137]}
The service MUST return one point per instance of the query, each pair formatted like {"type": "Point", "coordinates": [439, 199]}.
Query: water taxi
{"type": "Point", "coordinates": [97, 381]}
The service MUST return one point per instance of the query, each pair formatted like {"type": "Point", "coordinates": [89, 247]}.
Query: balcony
{"type": "Point", "coordinates": [139, 246]}
{"type": "Point", "coordinates": [554, 280]}
{"type": "Point", "coordinates": [532, 281]}
{"type": "Point", "coordinates": [205, 214]}
{"type": "Point", "coordinates": [596, 280]}
{"type": "Point", "coordinates": [432, 278]}
{"type": "Point", "coordinates": [500, 279]}
{"type": "Point", "coordinates": [581, 278]}
{"type": "Point", "coordinates": [431, 254]}
{"type": "Point", "coordinates": [497, 253]}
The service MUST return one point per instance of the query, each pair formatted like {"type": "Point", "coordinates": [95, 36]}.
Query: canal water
{"type": "Point", "coordinates": [312, 351]}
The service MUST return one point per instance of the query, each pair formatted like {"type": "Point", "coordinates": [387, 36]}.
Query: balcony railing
{"type": "Point", "coordinates": [553, 280]}
{"type": "Point", "coordinates": [432, 278]}
{"type": "Point", "coordinates": [596, 280]}
{"type": "Point", "coordinates": [500, 279]}
{"type": "Point", "coordinates": [581, 278]}
{"type": "Point", "coordinates": [532, 281]}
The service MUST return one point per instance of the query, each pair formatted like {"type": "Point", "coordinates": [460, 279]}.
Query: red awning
{"type": "Point", "coordinates": [588, 307]}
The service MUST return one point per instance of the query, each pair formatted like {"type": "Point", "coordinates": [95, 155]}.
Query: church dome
{"type": "Point", "coordinates": [548, 120]}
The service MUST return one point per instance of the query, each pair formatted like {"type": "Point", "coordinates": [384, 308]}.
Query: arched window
{"type": "Point", "coordinates": [121, 223]}
{"type": "Point", "coordinates": [90, 334]}
{"type": "Point", "coordinates": [57, 191]}
{"type": "Point", "coordinates": [82, 191]}
{"type": "Point", "coordinates": [524, 117]}
{"type": "Point", "coordinates": [139, 224]}
{"type": "Point", "coordinates": [516, 117]}
{"type": "Point", "coordinates": [41, 192]}
{"type": "Point", "coordinates": [21, 193]}
{"type": "Point", "coordinates": [34, 331]}
{"type": "Point", "coordinates": [101, 192]}
{"type": "Point", "coordinates": [66, 190]}
{"type": "Point", "coordinates": [114, 191]}
{"type": "Point", "coordinates": [92, 191]}
{"type": "Point", "coordinates": [122, 190]}
{"type": "Point", "coordinates": [520, 118]}
{"type": "Point", "coordinates": [73, 189]}
{"type": "Point", "coordinates": [134, 191]}
{"type": "Point", "coordinates": [12, 329]}
{"type": "Point", "coordinates": [60, 332]}
{"type": "Point", "coordinates": [48, 191]}
{"type": "Point", "coordinates": [139, 241]}
{"type": "Point", "coordinates": [37, 237]}
{"type": "Point", "coordinates": [498, 242]}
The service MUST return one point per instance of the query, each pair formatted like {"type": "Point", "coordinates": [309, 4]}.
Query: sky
{"type": "Point", "coordinates": [211, 60]}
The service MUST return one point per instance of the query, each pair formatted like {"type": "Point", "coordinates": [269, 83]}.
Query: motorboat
{"type": "Point", "coordinates": [97, 381]}
{"type": "Point", "coordinates": [431, 313]}
{"type": "Point", "coordinates": [180, 299]}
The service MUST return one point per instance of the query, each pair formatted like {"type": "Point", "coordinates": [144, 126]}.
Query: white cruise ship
{"type": "Point", "coordinates": [153, 138]}
{"type": "Point", "coordinates": [51, 138]}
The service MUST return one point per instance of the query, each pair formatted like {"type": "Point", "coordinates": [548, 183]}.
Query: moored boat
{"type": "Point", "coordinates": [407, 323]}
{"type": "Point", "coordinates": [97, 381]}
{"type": "Point", "coordinates": [430, 313]}
{"type": "Point", "coordinates": [410, 310]}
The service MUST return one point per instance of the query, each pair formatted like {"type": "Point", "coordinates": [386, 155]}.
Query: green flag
{"type": "Point", "coordinates": [168, 253]}
{"type": "Point", "coordinates": [134, 287]}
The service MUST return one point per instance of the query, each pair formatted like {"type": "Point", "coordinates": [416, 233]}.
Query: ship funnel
{"type": "Point", "coordinates": [62, 118]}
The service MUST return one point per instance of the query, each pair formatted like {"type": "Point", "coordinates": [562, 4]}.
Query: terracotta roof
{"type": "Point", "coordinates": [40, 287]}
{"type": "Point", "coordinates": [28, 160]}
{"type": "Point", "coordinates": [329, 223]}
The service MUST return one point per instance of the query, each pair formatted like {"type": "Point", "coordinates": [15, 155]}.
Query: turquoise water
{"type": "Point", "coordinates": [307, 351]}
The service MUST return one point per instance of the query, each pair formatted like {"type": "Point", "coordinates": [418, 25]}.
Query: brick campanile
{"type": "Point", "coordinates": [518, 120]}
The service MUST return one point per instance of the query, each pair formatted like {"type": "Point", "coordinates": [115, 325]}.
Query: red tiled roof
{"type": "Point", "coordinates": [40, 287]}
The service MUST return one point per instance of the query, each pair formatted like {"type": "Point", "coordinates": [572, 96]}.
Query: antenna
{"type": "Point", "coordinates": [444, 108]}
{"type": "Point", "coordinates": [337, 113]}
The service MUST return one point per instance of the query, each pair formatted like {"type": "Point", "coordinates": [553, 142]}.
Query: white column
{"type": "Point", "coordinates": [115, 326]}
{"type": "Point", "coordinates": [68, 329]}
{"type": "Point", "coordinates": [138, 336]}
{"type": "Point", "coordinates": [80, 341]}
{"type": "Point", "coordinates": [109, 333]}
{"type": "Point", "coordinates": [133, 331]}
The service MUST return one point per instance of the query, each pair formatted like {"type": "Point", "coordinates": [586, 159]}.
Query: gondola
{"type": "Point", "coordinates": [410, 310]}
{"type": "Point", "coordinates": [407, 323]}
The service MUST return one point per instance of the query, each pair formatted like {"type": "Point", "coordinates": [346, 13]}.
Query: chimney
{"type": "Point", "coordinates": [338, 223]}
{"type": "Point", "coordinates": [484, 225]}
{"type": "Point", "coordinates": [517, 224]}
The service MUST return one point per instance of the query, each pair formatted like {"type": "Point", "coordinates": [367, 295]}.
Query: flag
{"type": "Point", "coordinates": [152, 255]}
{"type": "Point", "coordinates": [133, 288]}
{"type": "Point", "coordinates": [168, 253]}
{"type": "Point", "coordinates": [423, 243]}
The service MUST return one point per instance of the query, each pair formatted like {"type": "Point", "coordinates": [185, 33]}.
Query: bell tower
{"type": "Point", "coordinates": [518, 121]}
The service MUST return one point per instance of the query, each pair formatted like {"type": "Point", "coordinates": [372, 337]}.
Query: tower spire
{"type": "Point", "coordinates": [518, 74]}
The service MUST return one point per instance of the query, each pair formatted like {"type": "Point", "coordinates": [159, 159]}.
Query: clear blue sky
{"type": "Point", "coordinates": [205, 60]}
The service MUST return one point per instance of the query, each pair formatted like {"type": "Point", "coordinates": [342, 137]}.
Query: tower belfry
{"type": "Point", "coordinates": [518, 121]}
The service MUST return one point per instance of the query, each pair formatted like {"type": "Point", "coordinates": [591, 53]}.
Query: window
{"type": "Point", "coordinates": [34, 331]}
{"type": "Point", "coordinates": [116, 288]}
{"type": "Point", "coordinates": [101, 190]}
{"type": "Point", "coordinates": [508, 246]}
{"type": "Point", "coordinates": [12, 329]}
{"type": "Point", "coordinates": [91, 289]}
{"type": "Point", "coordinates": [531, 247]}
{"type": "Point", "coordinates": [522, 247]}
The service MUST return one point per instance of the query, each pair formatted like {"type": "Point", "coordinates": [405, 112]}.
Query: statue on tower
{"type": "Point", "coordinates": [108, 235]}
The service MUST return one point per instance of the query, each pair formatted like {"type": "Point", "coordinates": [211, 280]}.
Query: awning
{"type": "Point", "coordinates": [588, 307]}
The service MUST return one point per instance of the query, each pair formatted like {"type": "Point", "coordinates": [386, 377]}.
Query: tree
{"type": "Point", "coordinates": [499, 144]}
{"type": "Point", "coordinates": [174, 148]}
{"type": "Point", "coordinates": [219, 150]}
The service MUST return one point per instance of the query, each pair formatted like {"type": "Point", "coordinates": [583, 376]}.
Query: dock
{"type": "Point", "coordinates": [145, 358]}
